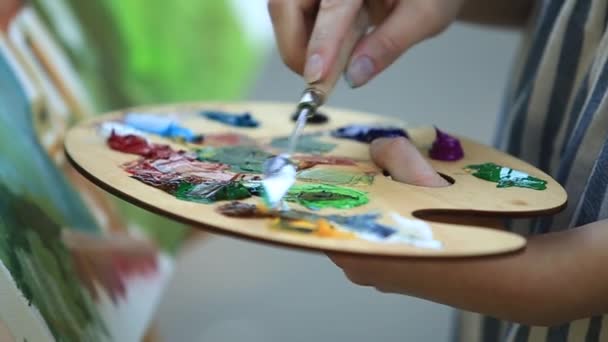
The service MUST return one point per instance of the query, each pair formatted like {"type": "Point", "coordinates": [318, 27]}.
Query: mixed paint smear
{"type": "Point", "coordinates": [240, 158]}
{"type": "Point", "coordinates": [310, 143]}
{"type": "Point", "coordinates": [237, 120]}
{"type": "Point", "coordinates": [506, 177]}
{"type": "Point", "coordinates": [446, 147]}
{"type": "Point", "coordinates": [366, 226]}
{"type": "Point", "coordinates": [336, 177]}
{"type": "Point", "coordinates": [228, 139]}
{"type": "Point", "coordinates": [307, 161]}
{"type": "Point", "coordinates": [367, 134]}
{"type": "Point", "coordinates": [211, 192]}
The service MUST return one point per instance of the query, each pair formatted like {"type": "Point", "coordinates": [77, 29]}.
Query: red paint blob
{"type": "Point", "coordinates": [134, 144]}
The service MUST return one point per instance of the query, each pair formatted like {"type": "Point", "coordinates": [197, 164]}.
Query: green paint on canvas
{"type": "Point", "coordinates": [307, 144]}
{"type": "Point", "coordinates": [336, 176]}
{"type": "Point", "coordinates": [43, 270]}
{"type": "Point", "coordinates": [319, 196]}
{"type": "Point", "coordinates": [506, 177]}
{"type": "Point", "coordinates": [248, 159]}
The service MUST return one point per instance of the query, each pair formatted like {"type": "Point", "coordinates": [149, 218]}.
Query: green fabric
{"type": "Point", "coordinates": [157, 51]}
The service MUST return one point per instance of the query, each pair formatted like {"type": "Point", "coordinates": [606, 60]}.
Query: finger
{"type": "Point", "coordinates": [334, 20]}
{"type": "Point", "coordinates": [404, 162]}
{"type": "Point", "coordinates": [409, 23]}
{"type": "Point", "coordinates": [292, 22]}
{"type": "Point", "coordinates": [353, 268]}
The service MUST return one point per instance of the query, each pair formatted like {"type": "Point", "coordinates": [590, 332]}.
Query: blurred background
{"type": "Point", "coordinates": [134, 52]}
{"type": "Point", "coordinates": [229, 290]}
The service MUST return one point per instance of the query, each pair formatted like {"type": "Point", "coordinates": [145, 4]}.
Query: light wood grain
{"type": "Point", "coordinates": [89, 154]}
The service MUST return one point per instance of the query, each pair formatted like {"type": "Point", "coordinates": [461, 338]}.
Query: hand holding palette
{"type": "Point", "coordinates": [206, 170]}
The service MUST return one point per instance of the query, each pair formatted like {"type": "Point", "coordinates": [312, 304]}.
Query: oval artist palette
{"type": "Point", "coordinates": [350, 207]}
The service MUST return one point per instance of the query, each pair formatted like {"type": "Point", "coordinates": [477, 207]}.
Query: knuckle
{"type": "Point", "coordinates": [319, 35]}
{"type": "Point", "coordinates": [326, 5]}
{"type": "Point", "coordinates": [389, 44]}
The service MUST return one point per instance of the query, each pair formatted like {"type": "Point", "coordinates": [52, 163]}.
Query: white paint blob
{"type": "Point", "coordinates": [278, 183]}
{"type": "Point", "coordinates": [414, 232]}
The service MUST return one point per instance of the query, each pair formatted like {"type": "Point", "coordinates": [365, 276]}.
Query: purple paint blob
{"type": "Point", "coordinates": [367, 134]}
{"type": "Point", "coordinates": [446, 147]}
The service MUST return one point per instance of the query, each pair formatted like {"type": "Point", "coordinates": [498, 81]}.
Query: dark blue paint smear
{"type": "Point", "coordinates": [366, 223]}
{"type": "Point", "coordinates": [367, 134]}
{"type": "Point", "coordinates": [237, 120]}
{"type": "Point", "coordinates": [161, 125]}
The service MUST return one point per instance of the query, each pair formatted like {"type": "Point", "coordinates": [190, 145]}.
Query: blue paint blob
{"type": "Point", "coordinates": [237, 120]}
{"type": "Point", "coordinates": [367, 134]}
{"type": "Point", "coordinates": [161, 125]}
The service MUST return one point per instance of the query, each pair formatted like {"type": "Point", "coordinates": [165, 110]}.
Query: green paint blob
{"type": "Point", "coordinates": [248, 159]}
{"type": "Point", "coordinates": [212, 192]}
{"type": "Point", "coordinates": [306, 144]}
{"type": "Point", "coordinates": [506, 177]}
{"type": "Point", "coordinates": [319, 196]}
{"type": "Point", "coordinates": [336, 177]}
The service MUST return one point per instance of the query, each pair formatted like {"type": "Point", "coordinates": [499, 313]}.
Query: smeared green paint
{"type": "Point", "coordinates": [506, 177]}
{"type": "Point", "coordinates": [249, 159]}
{"type": "Point", "coordinates": [212, 192]}
{"type": "Point", "coordinates": [319, 196]}
{"type": "Point", "coordinates": [43, 269]}
{"type": "Point", "coordinates": [336, 177]}
{"type": "Point", "coordinates": [307, 144]}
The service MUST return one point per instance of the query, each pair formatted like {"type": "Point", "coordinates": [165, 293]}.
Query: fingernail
{"type": "Point", "coordinates": [313, 69]}
{"type": "Point", "coordinates": [359, 71]}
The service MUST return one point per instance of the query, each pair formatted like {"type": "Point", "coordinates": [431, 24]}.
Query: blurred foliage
{"type": "Point", "coordinates": [156, 51]}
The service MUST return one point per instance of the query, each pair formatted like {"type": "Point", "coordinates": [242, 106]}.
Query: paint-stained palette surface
{"type": "Point", "coordinates": [209, 176]}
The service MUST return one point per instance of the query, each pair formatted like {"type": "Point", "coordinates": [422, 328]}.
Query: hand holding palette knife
{"type": "Point", "coordinates": [279, 172]}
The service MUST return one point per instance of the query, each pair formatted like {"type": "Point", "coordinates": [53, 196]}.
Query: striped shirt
{"type": "Point", "coordinates": [555, 116]}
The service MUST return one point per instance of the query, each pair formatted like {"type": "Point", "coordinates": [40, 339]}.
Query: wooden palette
{"type": "Point", "coordinates": [88, 151]}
